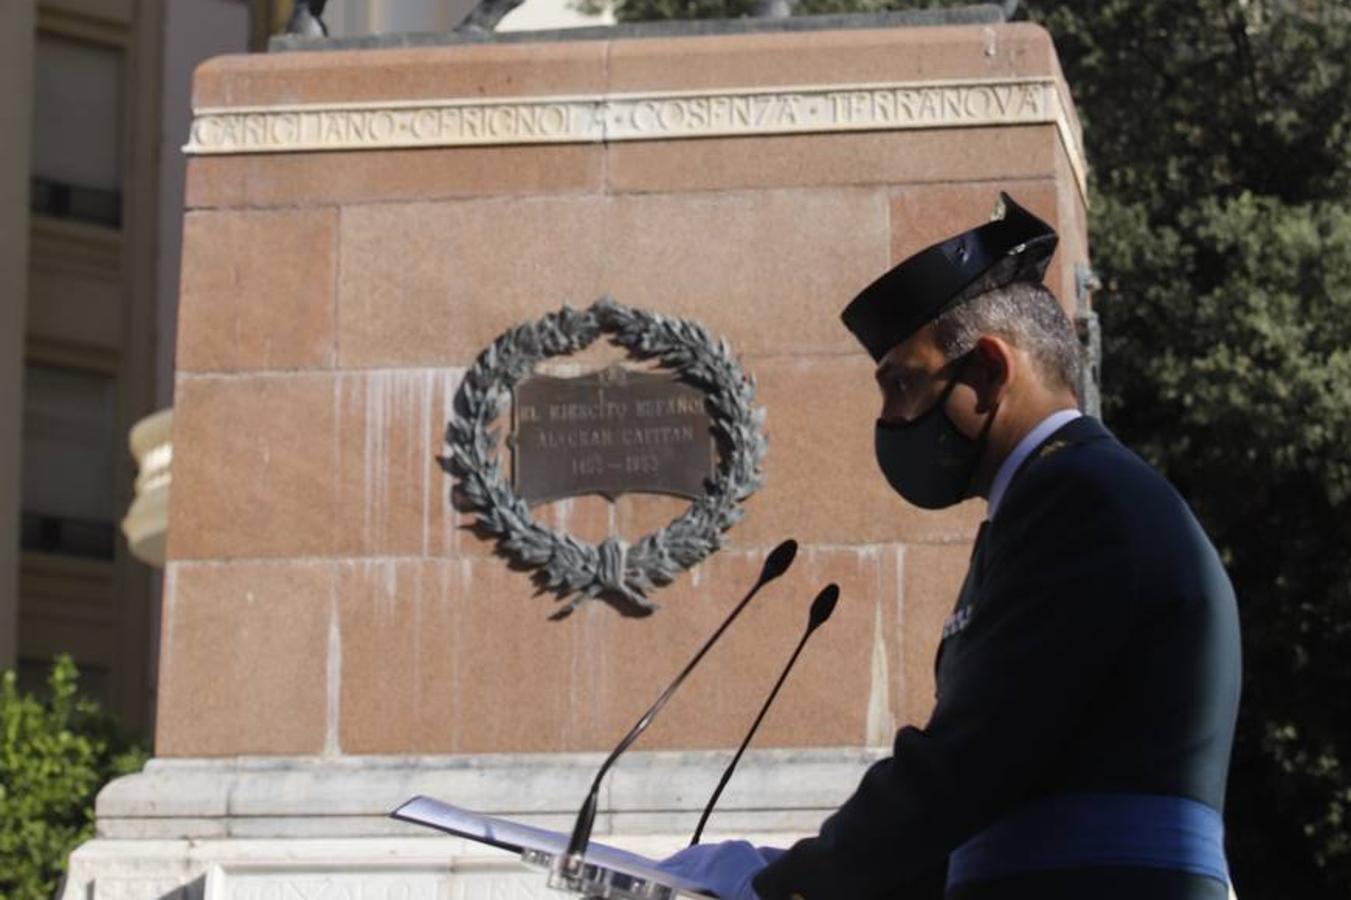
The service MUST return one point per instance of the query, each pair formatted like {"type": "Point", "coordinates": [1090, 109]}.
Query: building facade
{"type": "Point", "coordinates": [97, 107]}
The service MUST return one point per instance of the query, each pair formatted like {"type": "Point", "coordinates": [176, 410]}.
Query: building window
{"type": "Point", "coordinates": [68, 448]}
{"type": "Point", "coordinates": [77, 131]}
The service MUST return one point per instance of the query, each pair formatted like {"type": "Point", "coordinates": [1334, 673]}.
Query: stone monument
{"type": "Point", "coordinates": [362, 223]}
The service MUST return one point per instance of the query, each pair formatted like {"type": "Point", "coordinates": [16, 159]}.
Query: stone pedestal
{"type": "Point", "coordinates": [318, 827]}
{"type": "Point", "coordinates": [361, 224]}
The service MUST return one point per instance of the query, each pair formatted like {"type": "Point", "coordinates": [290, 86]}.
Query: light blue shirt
{"type": "Point", "coordinates": [1044, 429]}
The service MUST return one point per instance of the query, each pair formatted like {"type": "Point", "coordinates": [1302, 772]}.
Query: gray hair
{"type": "Point", "coordinates": [1024, 314]}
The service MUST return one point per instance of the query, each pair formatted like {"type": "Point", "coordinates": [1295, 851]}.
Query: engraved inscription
{"type": "Point", "coordinates": [623, 117]}
{"type": "Point", "coordinates": [609, 433]}
{"type": "Point", "coordinates": [132, 888]}
{"type": "Point", "coordinates": [874, 108]}
{"type": "Point", "coordinates": [634, 117]}
{"type": "Point", "coordinates": [441, 125]}
{"type": "Point", "coordinates": [336, 886]}
{"type": "Point", "coordinates": [504, 886]}
{"type": "Point", "coordinates": [450, 879]}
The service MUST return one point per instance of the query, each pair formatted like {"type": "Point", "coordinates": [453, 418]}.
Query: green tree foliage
{"type": "Point", "coordinates": [1232, 369]}
{"type": "Point", "coordinates": [1219, 132]}
{"type": "Point", "coordinates": [55, 753]}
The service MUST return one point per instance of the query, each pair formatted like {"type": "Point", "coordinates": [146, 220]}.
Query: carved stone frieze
{"type": "Point", "coordinates": [633, 117]}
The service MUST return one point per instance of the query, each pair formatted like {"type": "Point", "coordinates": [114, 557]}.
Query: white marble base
{"type": "Point", "coordinates": [317, 828]}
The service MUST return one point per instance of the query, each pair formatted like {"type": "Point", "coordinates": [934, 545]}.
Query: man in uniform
{"type": "Point", "coordinates": [1088, 677]}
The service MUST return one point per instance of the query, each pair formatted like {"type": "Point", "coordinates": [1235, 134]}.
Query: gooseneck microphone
{"type": "Point", "coordinates": [822, 607]}
{"type": "Point", "coordinates": [778, 561]}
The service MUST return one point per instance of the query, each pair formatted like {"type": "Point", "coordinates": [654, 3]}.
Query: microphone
{"type": "Point", "coordinates": [822, 607]}
{"type": "Point", "coordinates": [778, 561]}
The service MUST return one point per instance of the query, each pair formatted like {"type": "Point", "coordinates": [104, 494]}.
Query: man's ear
{"type": "Point", "coordinates": [992, 371]}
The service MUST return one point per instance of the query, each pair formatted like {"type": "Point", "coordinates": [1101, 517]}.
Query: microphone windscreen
{"type": "Point", "coordinates": [823, 605]}
{"type": "Point", "coordinates": [779, 559]}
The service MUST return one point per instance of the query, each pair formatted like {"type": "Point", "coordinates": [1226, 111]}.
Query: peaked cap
{"type": "Point", "coordinates": [1014, 246]}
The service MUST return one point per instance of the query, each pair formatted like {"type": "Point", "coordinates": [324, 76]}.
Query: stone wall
{"type": "Point", "coordinates": [323, 597]}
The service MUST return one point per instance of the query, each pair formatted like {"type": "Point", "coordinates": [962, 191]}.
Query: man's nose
{"type": "Point", "coordinates": [893, 412]}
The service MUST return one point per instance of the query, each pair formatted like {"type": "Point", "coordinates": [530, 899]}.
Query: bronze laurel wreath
{"type": "Point", "coordinates": [563, 564]}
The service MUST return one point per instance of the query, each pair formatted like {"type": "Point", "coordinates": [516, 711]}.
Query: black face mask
{"type": "Point", "coordinates": [927, 460]}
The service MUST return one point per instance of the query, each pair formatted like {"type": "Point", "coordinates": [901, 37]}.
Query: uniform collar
{"type": "Point", "coordinates": [1033, 439]}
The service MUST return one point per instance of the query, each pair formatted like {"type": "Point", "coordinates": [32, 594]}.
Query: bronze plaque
{"type": "Point", "coordinates": [608, 433]}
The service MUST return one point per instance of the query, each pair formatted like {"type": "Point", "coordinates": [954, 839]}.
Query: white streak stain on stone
{"type": "Point", "coordinates": [375, 480]}
{"type": "Point", "coordinates": [446, 516]}
{"type": "Point", "coordinates": [332, 746]}
{"type": "Point", "coordinates": [456, 650]}
{"type": "Point", "coordinates": [439, 608]}
{"type": "Point", "coordinates": [392, 398]}
{"type": "Point", "coordinates": [579, 641]}
{"type": "Point", "coordinates": [170, 602]}
{"type": "Point", "coordinates": [389, 600]}
{"type": "Point", "coordinates": [417, 601]}
{"type": "Point", "coordinates": [339, 407]}
{"type": "Point", "coordinates": [880, 722]}
{"type": "Point", "coordinates": [425, 435]}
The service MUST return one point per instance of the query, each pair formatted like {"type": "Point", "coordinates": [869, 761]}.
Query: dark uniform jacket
{"type": "Point", "coordinates": [1094, 649]}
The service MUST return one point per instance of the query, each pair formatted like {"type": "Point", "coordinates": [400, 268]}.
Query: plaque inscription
{"type": "Point", "coordinates": [609, 432]}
